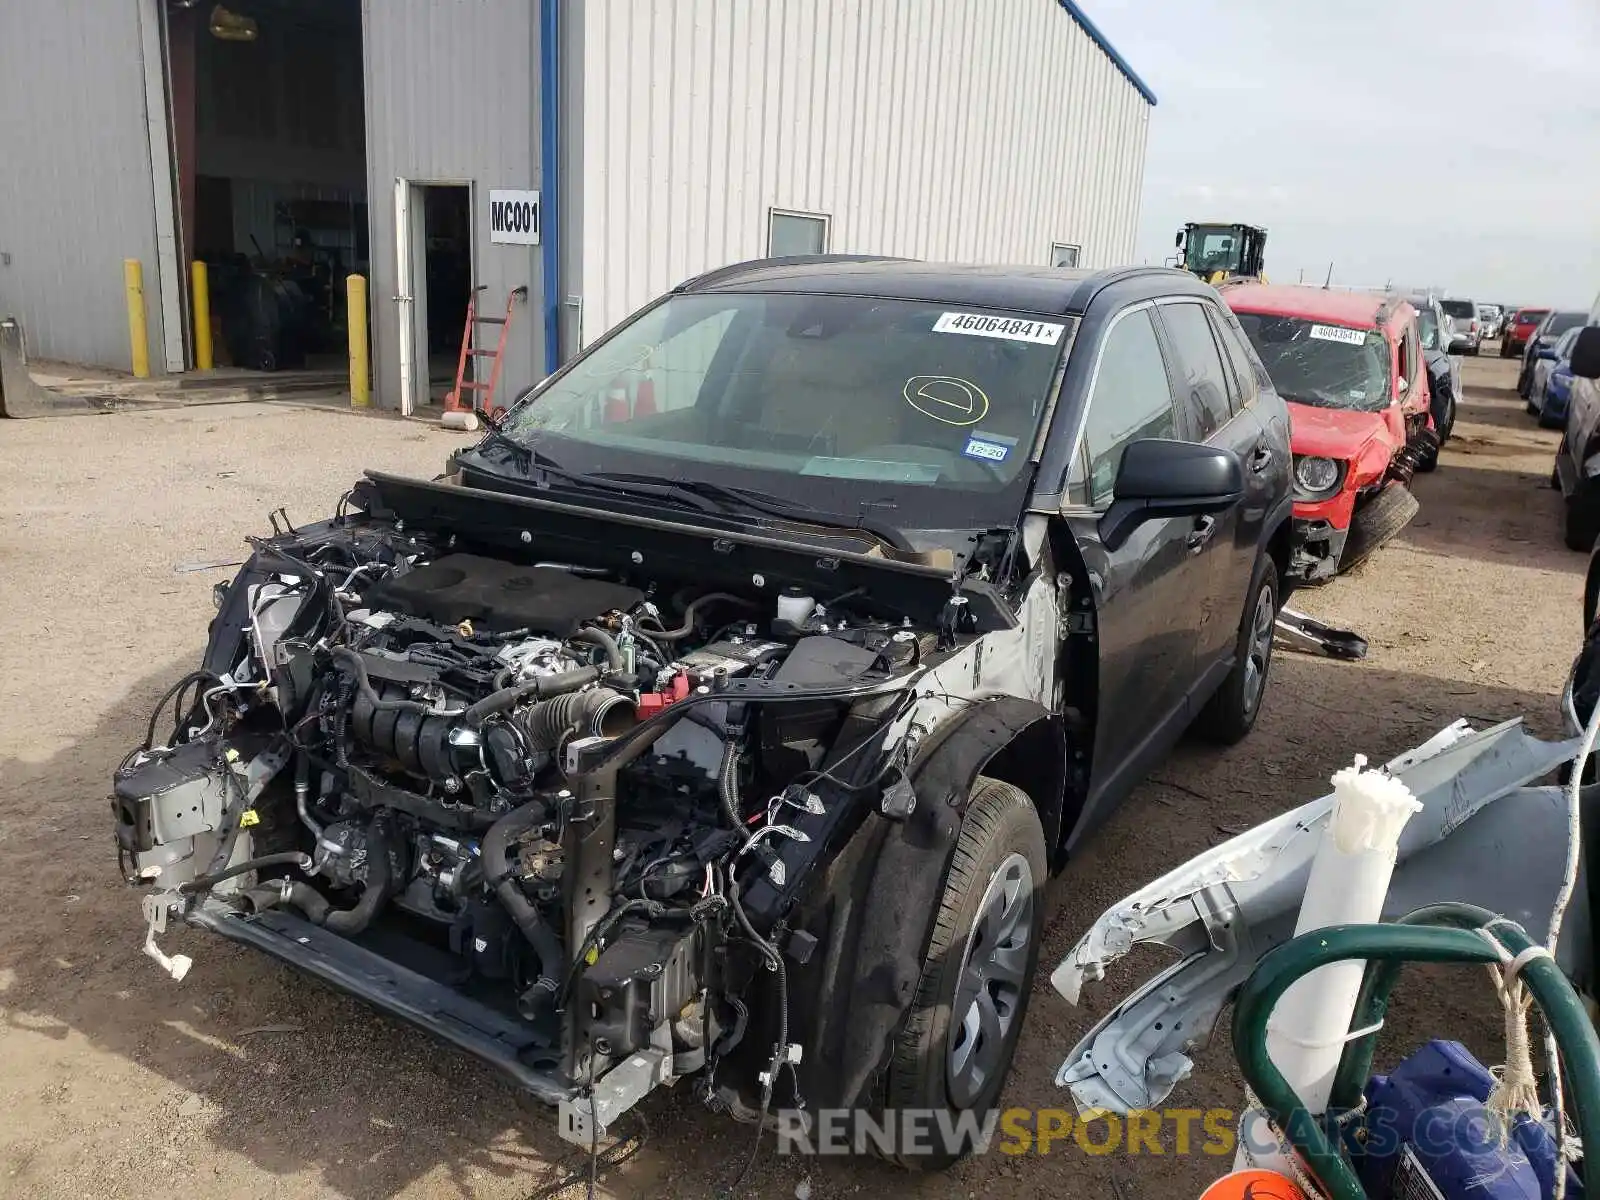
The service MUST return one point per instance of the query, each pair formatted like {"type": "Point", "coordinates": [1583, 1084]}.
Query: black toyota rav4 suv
{"type": "Point", "coordinates": [722, 712]}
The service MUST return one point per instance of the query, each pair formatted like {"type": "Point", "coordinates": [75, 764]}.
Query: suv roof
{"type": "Point", "coordinates": [1355, 309]}
{"type": "Point", "coordinates": [1062, 291]}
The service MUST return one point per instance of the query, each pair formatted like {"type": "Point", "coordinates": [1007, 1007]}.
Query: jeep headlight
{"type": "Point", "coordinates": [1317, 478]}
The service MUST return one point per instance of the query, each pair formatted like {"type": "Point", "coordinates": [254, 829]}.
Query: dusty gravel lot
{"type": "Point", "coordinates": [114, 1081]}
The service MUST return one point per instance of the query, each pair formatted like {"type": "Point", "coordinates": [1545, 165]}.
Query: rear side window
{"type": "Point", "coordinates": [1130, 399]}
{"type": "Point", "coordinates": [1205, 385]}
{"type": "Point", "coordinates": [1246, 380]}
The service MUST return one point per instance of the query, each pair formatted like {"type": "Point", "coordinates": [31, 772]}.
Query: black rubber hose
{"type": "Point", "coordinates": [204, 883]}
{"type": "Point", "coordinates": [345, 655]}
{"type": "Point", "coordinates": [495, 853]}
{"type": "Point", "coordinates": [598, 711]}
{"type": "Point", "coordinates": [605, 641]}
{"type": "Point", "coordinates": [379, 886]}
{"type": "Point", "coordinates": [308, 900]}
{"type": "Point", "coordinates": [541, 688]}
{"type": "Point", "coordinates": [687, 627]}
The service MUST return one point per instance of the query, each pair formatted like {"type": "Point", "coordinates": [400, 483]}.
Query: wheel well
{"type": "Point", "coordinates": [1036, 760]}
{"type": "Point", "coordinates": [1280, 548]}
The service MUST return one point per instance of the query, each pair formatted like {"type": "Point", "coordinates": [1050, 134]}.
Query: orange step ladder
{"type": "Point", "coordinates": [482, 394]}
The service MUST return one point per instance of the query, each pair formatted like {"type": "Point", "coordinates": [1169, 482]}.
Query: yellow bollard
{"type": "Point", "coordinates": [201, 295]}
{"type": "Point", "coordinates": [355, 316]}
{"type": "Point", "coordinates": [138, 336]}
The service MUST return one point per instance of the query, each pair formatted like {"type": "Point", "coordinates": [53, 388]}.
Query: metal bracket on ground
{"type": "Point", "coordinates": [1296, 631]}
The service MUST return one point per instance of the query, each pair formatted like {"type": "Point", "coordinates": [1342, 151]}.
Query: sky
{"type": "Point", "coordinates": [1448, 143]}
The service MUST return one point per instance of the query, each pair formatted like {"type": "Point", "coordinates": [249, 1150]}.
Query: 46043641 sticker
{"type": "Point", "coordinates": [1338, 333]}
{"type": "Point", "coordinates": [1013, 329]}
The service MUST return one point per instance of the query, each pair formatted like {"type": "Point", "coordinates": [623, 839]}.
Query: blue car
{"type": "Point", "coordinates": [1551, 387]}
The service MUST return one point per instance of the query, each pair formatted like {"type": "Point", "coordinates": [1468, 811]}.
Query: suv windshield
{"type": "Point", "coordinates": [1329, 366]}
{"type": "Point", "coordinates": [835, 402]}
{"type": "Point", "coordinates": [1459, 308]}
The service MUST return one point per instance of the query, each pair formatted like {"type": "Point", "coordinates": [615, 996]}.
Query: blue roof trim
{"type": "Point", "coordinates": [1099, 39]}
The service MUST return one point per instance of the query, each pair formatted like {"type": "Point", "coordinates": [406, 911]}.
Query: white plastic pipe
{"type": "Point", "coordinates": [1348, 882]}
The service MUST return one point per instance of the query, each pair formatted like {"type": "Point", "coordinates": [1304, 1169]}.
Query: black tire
{"type": "Point", "coordinates": [1001, 828]}
{"type": "Point", "coordinates": [1375, 522]}
{"type": "Point", "coordinates": [1472, 352]}
{"type": "Point", "coordinates": [1444, 424]}
{"type": "Point", "coordinates": [1231, 712]}
{"type": "Point", "coordinates": [1580, 523]}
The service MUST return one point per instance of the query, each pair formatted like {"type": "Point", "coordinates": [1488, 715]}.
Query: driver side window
{"type": "Point", "coordinates": [1130, 398]}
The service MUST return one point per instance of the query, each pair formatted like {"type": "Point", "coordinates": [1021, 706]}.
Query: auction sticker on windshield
{"type": "Point", "coordinates": [1014, 329]}
{"type": "Point", "coordinates": [1337, 333]}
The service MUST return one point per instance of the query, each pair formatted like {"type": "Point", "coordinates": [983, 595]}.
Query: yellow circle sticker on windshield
{"type": "Point", "coordinates": [946, 399]}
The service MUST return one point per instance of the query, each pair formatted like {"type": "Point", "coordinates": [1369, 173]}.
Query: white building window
{"type": "Point", "coordinates": [791, 232]}
{"type": "Point", "coordinates": [1064, 254]}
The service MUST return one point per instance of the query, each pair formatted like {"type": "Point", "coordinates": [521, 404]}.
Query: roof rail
{"type": "Point", "coordinates": [793, 260]}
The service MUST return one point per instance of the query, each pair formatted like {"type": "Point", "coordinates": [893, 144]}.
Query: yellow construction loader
{"type": "Point", "coordinates": [1219, 253]}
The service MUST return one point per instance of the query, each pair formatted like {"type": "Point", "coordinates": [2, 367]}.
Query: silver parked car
{"type": "Point", "coordinates": [1490, 320]}
{"type": "Point", "coordinates": [1465, 330]}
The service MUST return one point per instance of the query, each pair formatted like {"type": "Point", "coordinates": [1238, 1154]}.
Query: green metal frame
{"type": "Point", "coordinates": [1441, 933]}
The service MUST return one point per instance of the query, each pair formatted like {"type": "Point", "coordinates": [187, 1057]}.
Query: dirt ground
{"type": "Point", "coordinates": [116, 1081]}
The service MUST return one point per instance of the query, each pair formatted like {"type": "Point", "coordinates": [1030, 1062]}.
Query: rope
{"type": "Point", "coordinates": [1516, 1086]}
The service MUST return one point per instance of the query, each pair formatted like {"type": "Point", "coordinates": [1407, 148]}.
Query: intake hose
{"type": "Point", "coordinates": [540, 688]}
{"type": "Point", "coordinates": [605, 641]}
{"type": "Point", "coordinates": [598, 712]}
{"type": "Point", "coordinates": [495, 852]}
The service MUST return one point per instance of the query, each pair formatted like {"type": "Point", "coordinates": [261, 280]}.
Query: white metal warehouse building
{"type": "Point", "coordinates": [647, 140]}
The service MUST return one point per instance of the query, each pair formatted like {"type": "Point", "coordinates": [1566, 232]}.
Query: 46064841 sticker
{"type": "Point", "coordinates": [1013, 329]}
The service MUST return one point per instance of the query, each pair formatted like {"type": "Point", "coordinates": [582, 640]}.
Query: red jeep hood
{"type": "Point", "coordinates": [1336, 432]}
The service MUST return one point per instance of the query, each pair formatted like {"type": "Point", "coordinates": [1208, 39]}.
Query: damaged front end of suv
{"type": "Point", "coordinates": [514, 771]}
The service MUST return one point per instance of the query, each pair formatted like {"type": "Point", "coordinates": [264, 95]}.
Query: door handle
{"type": "Point", "coordinates": [1260, 457]}
{"type": "Point", "coordinates": [1204, 527]}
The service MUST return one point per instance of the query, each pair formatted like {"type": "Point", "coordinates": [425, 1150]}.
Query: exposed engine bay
{"type": "Point", "coordinates": [561, 813]}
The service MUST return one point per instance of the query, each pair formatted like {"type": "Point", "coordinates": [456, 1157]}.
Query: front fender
{"type": "Point", "coordinates": [872, 918]}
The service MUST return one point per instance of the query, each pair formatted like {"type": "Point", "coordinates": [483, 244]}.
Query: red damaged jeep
{"type": "Point", "coordinates": [1351, 366]}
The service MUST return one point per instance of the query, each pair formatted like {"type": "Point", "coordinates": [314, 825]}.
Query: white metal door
{"type": "Point", "coordinates": [404, 303]}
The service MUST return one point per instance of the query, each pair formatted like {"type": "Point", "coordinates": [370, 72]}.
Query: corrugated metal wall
{"type": "Point", "coordinates": [969, 130]}
{"type": "Point", "coordinates": [76, 194]}
{"type": "Point", "coordinates": [452, 96]}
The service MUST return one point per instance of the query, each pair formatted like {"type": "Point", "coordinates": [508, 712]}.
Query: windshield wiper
{"type": "Point", "coordinates": [542, 468]}
{"type": "Point", "coordinates": [750, 499]}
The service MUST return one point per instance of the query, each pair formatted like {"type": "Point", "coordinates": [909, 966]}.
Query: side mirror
{"type": "Point", "coordinates": [1160, 478]}
{"type": "Point", "coordinates": [1585, 361]}
{"type": "Point", "coordinates": [1178, 241]}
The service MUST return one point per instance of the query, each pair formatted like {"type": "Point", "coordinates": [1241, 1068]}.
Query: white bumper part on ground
{"type": "Point", "coordinates": [1222, 910]}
